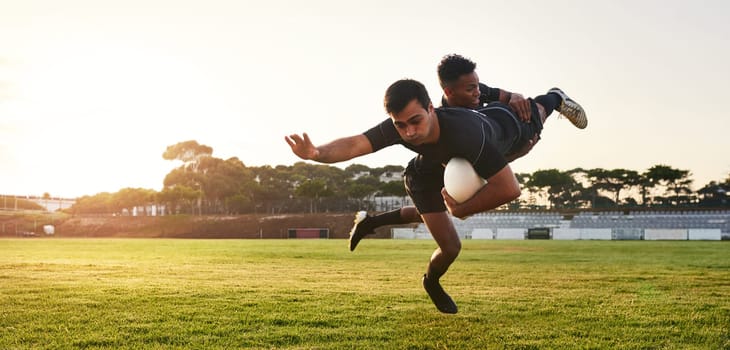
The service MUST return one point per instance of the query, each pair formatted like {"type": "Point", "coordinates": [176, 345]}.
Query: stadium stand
{"type": "Point", "coordinates": [603, 225]}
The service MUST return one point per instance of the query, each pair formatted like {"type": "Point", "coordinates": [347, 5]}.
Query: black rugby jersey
{"type": "Point", "coordinates": [486, 95]}
{"type": "Point", "coordinates": [481, 139]}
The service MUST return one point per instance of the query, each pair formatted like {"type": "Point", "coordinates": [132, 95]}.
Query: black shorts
{"type": "Point", "coordinates": [514, 130]}
{"type": "Point", "coordinates": [424, 179]}
{"type": "Point", "coordinates": [528, 130]}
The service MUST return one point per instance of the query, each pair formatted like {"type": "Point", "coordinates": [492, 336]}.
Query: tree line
{"type": "Point", "coordinates": [204, 185]}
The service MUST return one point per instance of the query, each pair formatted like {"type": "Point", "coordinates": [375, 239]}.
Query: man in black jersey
{"type": "Point", "coordinates": [437, 135]}
{"type": "Point", "coordinates": [461, 88]}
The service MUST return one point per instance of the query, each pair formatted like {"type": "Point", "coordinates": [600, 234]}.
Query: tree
{"type": "Point", "coordinates": [714, 195]}
{"type": "Point", "coordinates": [392, 188]}
{"type": "Point", "coordinates": [313, 189]}
{"type": "Point", "coordinates": [673, 180]}
{"type": "Point", "coordinates": [361, 189]}
{"type": "Point", "coordinates": [558, 185]}
{"type": "Point", "coordinates": [394, 168]}
{"type": "Point", "coordinates": [613, 180]}
{"type": "Point", "coordinates": [129, 198]}
{"type": "Point", "coordinates": [99, 203]}
{"type": "Point", "coordinates": [220, 180]}
{"type": "Point", "coordinates": [177, 197]}
{"type": "Point", "coordinates": [528, 197]}
{"type": "Point", "coordinates": [189, 152]}
{"type": "Point", "coordinates": [645, 187]}
{"type": "Point", "coordinates": [388, 169]}
{"type": "Point", "coordinates": [584, 193]}
{"type": "Point", "coordinates": [272, 188]}
{"type": "Point", "coordinates": [192, 154]}
{"type": "Point", "coordinates": [239, 203]}
{"type": "Point", "coordinates": [355, 169]}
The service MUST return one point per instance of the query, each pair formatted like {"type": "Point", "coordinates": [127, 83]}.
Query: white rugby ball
{"type": "Point", "coordinates": [461, 180]}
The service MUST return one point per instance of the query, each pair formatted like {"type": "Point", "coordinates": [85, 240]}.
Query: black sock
{"type": "Point", "coordinates": [550, 102]}
{"type": "Point", "coordinates": [388, 218]}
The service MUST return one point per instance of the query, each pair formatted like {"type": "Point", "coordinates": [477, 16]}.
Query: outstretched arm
{"type": "Point", "coordinates": [501, 188]}
{"type": "Point", "coordinates": [339, 150]}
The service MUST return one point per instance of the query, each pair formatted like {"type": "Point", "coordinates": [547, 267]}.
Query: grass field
{"type": "Point", "coordinates": [314, 294]}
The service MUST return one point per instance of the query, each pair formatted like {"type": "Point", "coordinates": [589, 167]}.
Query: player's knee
{"type": "Point", "coordinates": [410, 214]}
{"type": "Point", "coordinates": [516, 193]}
{"type": "Point", "coordinates": [451, 250]}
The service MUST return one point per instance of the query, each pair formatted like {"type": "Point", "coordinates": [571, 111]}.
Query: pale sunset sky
{"type": "Point", "coordinates": [93, 91]}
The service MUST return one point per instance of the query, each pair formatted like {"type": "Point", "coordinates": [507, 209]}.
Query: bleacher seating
{"type": "Point", "coordinates": [718, 219]}
{"type": "Point", "coordinates": [496, 220]}
{"type": "Point", "coordinates": [698, 224]}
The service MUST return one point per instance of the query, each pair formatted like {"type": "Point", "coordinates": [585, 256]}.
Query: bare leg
{"type": "Point", "coordinates": [443, 232]}
{"type": "Point", "coordinates": [410, 214]}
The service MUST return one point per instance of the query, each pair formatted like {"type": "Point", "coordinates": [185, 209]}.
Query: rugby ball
{"type": "Point", "coordinates": [461, 181]}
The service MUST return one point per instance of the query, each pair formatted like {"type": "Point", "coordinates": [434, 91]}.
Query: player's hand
{"type": "Point", "coordinates": [521, 106]}
{"type": "Point", "coordinates": [452, 205]}
{"type": "Point", "coordinates": [524, 150]}
{"type": "Point", "coordinates": [302, 146]}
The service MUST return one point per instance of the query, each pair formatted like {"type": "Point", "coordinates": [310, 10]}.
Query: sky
{"type": "Point", "coordinates": [93, 91]}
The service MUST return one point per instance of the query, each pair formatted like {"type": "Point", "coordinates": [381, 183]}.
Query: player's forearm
{"type": "Point", "coordinates": [343, 149]}
{"type": "Point", "coordinates": [500, 189]}
{"type": "Point", "coordinates": [490, 197]}
{"type": "Point", "coordinates": [504, 96]}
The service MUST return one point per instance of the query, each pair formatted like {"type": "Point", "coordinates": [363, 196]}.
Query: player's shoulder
{"type": "Point", "coordinates": [457, 115]}
{"type": "Point", "coordinates": [455, 111]}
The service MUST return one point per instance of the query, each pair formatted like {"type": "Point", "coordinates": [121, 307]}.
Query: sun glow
{"type": "Point", "coordinates": [78, 102]}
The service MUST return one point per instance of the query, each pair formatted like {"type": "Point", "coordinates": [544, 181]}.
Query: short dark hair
{"type": "Point", "coordinates": [402, 92]}
{"type": "Point", "coordinates": [452, 67]}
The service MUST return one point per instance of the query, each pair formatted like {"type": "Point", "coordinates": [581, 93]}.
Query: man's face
{"type": "Point", "coordinates": [415, 124]}
{"type": "Point", "coordinates": [464, 92]}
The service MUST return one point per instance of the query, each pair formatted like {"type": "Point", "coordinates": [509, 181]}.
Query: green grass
{"type": "Point", "coordinates": [314, 294]}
